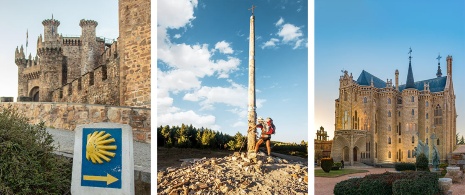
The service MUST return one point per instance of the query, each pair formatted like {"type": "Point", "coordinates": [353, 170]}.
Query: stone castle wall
{"type": "Point", "coordinates": [69, 115]}
{"type": "Point", "coordinates": [135, 37]}
{"type": "Point", "coordinates": [100, 86]}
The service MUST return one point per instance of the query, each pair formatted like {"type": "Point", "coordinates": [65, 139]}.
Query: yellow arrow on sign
{"type": "Point", "coordinates": [109, 178]}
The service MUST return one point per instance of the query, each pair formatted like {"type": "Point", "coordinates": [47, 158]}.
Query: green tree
{"type": "Point", "coordinates": [462, 141]}
{"type": "Point", "coordinates": [182, 137]}
{"type": "Point", "coordinates": [165, 132]}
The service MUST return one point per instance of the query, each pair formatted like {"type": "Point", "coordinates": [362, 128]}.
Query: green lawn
{"type": "Point", "coordinates": [337, 173]}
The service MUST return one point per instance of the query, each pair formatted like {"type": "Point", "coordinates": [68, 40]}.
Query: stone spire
{"type": "Point", "coordinates": [410, 82]}
{"type": "Point", "coordinates": [439, 73]}
{"type": "Point", "coordinates": [252, 115]}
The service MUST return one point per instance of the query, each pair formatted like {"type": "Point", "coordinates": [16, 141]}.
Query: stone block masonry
{"type": "Point", "coordinates": [69, 115]}
{"type": "Point", "coordinates": [134, 40]}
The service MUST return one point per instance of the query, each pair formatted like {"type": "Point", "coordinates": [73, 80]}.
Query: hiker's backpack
{"type": "Point", "coordinates": [271, 129]}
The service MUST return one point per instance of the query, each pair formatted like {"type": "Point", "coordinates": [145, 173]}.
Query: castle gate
{"type": "Point", "coordinates": [34, 94]}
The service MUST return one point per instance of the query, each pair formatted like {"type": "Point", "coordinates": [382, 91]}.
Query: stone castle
{"type": "Point", "coordinates": [81, 80]}
{"type": "Point", "coordinates": [378, 122]}
{"type": "Point", "coordinates": [85, 69]}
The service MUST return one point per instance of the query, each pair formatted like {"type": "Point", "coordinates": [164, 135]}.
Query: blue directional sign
{"type": "Point", "coordinates": [101, 157]}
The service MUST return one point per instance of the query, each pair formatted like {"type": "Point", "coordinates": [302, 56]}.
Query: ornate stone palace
{"type": "Point", "coordinates": [378, 122]}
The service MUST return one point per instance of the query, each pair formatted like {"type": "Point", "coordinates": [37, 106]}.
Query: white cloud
{"type": "Point", "coordinates": [290, 32]}
{"type": "Point", "coordinates": [280, 21]}
{"type": "Point", "coordinates": [177, 36]}
{"type": "Point", "coordinates": [271, 43]}
{"type": "Point", "coordinates": [177, 80]}
{"type": "Point", "coordinates": [297, 43]}
{"type": "Point", "coordinates": [188, 117]}
{"type": "Point", "coordinates": [223, 46]}
{"type": "Point", "coordinates": [175, 14]}
{"type": "Point", "coordinates": [236, 95]}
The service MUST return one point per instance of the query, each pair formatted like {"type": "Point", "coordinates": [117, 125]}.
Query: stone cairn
{"type": "Point", "coordinates": [235, 174]}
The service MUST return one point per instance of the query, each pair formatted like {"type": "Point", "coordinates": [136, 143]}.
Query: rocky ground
{"type": "Point", "coordinates": [235, 174]}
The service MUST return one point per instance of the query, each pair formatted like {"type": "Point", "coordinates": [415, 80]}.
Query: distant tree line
{"type": "Point", "coordinates": [187, 136]}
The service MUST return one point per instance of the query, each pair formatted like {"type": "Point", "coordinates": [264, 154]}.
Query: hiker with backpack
{"type": "Point", "coordinates": [267, 128]}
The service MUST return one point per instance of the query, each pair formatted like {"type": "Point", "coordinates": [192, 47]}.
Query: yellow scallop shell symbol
{"type": "Point", "coordinates": [97, 146]}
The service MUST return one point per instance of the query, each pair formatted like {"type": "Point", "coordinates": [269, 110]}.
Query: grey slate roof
{"type": "Point", "coordinates": [435, 85]}
{"type": "Point", "coordinates": [365, 79]}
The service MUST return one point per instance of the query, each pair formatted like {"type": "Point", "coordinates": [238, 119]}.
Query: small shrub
{"type": "Point", "coordinates": [375, 186]}
{"type": "Point", "coordinates": [347, 187]}
{"type": "Point", "coordinates": [326, 164]}
{"type": "Point", "coordinates": [422, 163]}
{"type": "Point", "coordinates": [424, 182]}
{"type": "Point", "coordinates": [27, 164]}
{"type": "Point", "coordinates": [419, 185]}
{"type": "Point", "coordinates": [403, 166]}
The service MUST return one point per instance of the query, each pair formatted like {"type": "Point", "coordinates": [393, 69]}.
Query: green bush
{"type": "Point", "coordinates": [376, 186]}
{"type": "Point", "coordinates": [347, 187]}
{"type": "Point", "coordinates": [326, 164]}
{"type": "Point", "coordinates": [419, 185]}
{"type": "Point", "coordinates": [424, 182]}
{"type": "Point", "coordinates": [422, 163]}
{"type": "Point", "coordinates": [27, 164]}
{"type": "Point", "coordinates": [403, 166]}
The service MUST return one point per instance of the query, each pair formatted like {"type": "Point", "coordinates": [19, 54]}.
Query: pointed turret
{"type": "Point", "coordinates": [410, 82]}
{"type": "Point", "coordinates": [16, 52]}
{"type": "Point", "coordinates": [439, 73]}
{"type": "Point", "coordinates": [21, 52]}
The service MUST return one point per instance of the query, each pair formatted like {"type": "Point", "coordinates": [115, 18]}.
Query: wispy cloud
{"type": "Point", "coordinates": [224, 47]}
{"type": "Point", "coordinates": [271, 43]}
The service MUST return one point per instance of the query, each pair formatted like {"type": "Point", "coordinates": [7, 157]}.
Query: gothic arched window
{"type": "Point", "coordinates": [426, 141]}
{"type": "Point", "coordinates": [389, 100]}
{"type": "Point", "coordinates": [413, 139]}
{"type": "Point", "coordinates": [427, 103]}
{"type": "Point", "coordinates": [389, 154]}
{"type": "Point", "coordinates": [413, 99]}
{"type": "Point", "coordinates": [438, 142]}
{"type": "Point", "coordinates": [364, 99]}
{"type": "Point", "coordinates": [389, 140]}
{"type": "Point", "coordinates": [389, 113]}
{"type": "Point", "coordinates": [426, 115]}
{"type": "Point", "coordinates": [413, 112]}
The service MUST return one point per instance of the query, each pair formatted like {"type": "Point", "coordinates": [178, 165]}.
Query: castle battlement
{"type": "Point", "coordinates": [48, 51]}
{"type": "Point", "coordinates": [48, 22]}
{"type": "Point", "coordinates": [110, 53]}
{"type": "Point", "coordinates": [84, 23]}
{"type": "Point", "coordinates": [71, 41]}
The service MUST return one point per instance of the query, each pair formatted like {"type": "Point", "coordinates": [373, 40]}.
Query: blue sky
{"type": "Point", "coordinates": [202, 64]}
{"type": "Point", "coordinates": [17, 17]}
{"type": "Point", "coordinates": [376, 36]}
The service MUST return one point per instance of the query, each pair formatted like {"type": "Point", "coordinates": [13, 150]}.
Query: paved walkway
{"type": "Point", "coordinates": [64, 141]}
{"type": "Point", "coordinates": [325, 185]}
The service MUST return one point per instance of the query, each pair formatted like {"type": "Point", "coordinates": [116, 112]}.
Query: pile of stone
{"type": "Point", "coordinates": [238, 173]}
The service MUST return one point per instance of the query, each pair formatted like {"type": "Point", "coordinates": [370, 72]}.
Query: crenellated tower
{"type": "Point", "coordinates": [51, 66]}
{"type": "Point", "coordinates": [89, 50]}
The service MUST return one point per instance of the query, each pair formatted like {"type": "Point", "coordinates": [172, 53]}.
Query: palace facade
{"type": "Point", "coordinates": [378, 122]}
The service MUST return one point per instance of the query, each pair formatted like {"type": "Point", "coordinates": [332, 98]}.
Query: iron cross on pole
{"type": "Point", "coordinates": [439, 58]}
{"type": "Point", "coordinates": [252, 8]}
